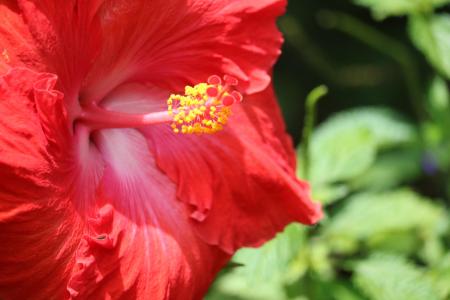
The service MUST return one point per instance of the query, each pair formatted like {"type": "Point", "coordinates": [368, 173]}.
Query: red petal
{"type": "Point", "coordinates": [170, 43]}
{"type": "Point", "coordinates": [69, 34]}
{"type": "Point", "coordinates": [241, 182]}
{"type": "Point", "coordinates": [39, 229]}
{"type": "Point", "coordinates": [17, 47]}
{"type": "Point", "coordinates": [167, 43]}
{"type": "Point", "coordinates": [141, 242]}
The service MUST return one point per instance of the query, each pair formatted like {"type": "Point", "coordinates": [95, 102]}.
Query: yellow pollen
{"type": "Point", "coordinates": [202, 109]}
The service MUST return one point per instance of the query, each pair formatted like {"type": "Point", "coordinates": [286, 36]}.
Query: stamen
{"type": "Point", "coordinates": [96, 117]}
{"type": "Point", "coordinates": [204, 108]}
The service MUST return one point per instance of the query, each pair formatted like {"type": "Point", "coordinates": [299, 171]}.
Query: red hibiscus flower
{"type": "Point", "coordinates": [117, 182]}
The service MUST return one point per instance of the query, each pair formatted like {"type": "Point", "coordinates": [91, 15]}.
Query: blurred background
{"type": "Point", "coordinates": [376, 74]}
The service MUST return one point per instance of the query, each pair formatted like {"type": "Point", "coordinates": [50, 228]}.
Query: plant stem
{"type": "Point", "coordinates": [310, 117]}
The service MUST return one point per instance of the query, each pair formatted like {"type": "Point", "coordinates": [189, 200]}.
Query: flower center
{"type": "Point", "coordinates": [203, 108]}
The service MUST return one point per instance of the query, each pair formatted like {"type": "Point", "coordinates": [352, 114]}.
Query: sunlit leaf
{"type": "Point", "coordinates": [387, 277]}
{"type": "Point", "coordinates": [380, 217]}
{"type": "Point", "coordinates": [432, 36]}
{"type": "Point", "coordinates": [264, 269]}
{"type": "Point", "coordinates": [438, 106]}
{"type": "Point", "coordinates": [341, 153]}
{"type": "Point", "coordinates": [385, 8]}
{"type": "Point", "coordinates": [346, 145]}
{"type": "Point", "coordinates": [390, 170]}
{"type": "Point", "coordinates": [440, 276]}
{"type": "Point", "coordinates": [438, 94]}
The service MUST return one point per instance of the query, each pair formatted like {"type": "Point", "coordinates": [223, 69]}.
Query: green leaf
{"type": "Point", "coordinates": [264, 269]}
{"type": "Point", "coordinates": [344, 291]}
{"type": "Point", "coordinates": [377, 217]}
{"type": "Point", "coordinates": [438, 105]}
{"type": "Point", "coordinates": [432, 36]}
{"type": "Point", "coordinates": [341, 153]}
{"type": "Point", "coordinates": [390, 170]}
{"type": "Point", "coordinates": [330, 192]}
{"type": "Point", "coordinates": [384, 8]}
{"type": "Point", "coordinates": [387, 277]}
{"type": "Point", "coordinates": [438, 95]}
{"type": "Point", "coordinates": [346, 145]}
{"type": "Point", "coordinates": [387, 127]}
{"type": "Point", "coordinates": [440, 276]}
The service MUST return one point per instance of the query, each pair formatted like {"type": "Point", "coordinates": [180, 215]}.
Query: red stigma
{"type": "Point", "coordinates": [228, 100]}
{"type": "Point", "coordinates": [212, 92]}
{"type": "Point", "coordinates": [230, 80]}
{"type": "Point", "coordinates": [237, 96]}
{"type": "Point", "coordinates": [214, 80]}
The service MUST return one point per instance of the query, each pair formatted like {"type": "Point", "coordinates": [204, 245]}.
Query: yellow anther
{"type": "Point", "coordinates": [201, 110]}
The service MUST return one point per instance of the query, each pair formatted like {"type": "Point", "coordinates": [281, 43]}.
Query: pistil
{"type": "Point", "coordinates": [204, 108]}
{"type": "Point", "coordinates": [96, 117]}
